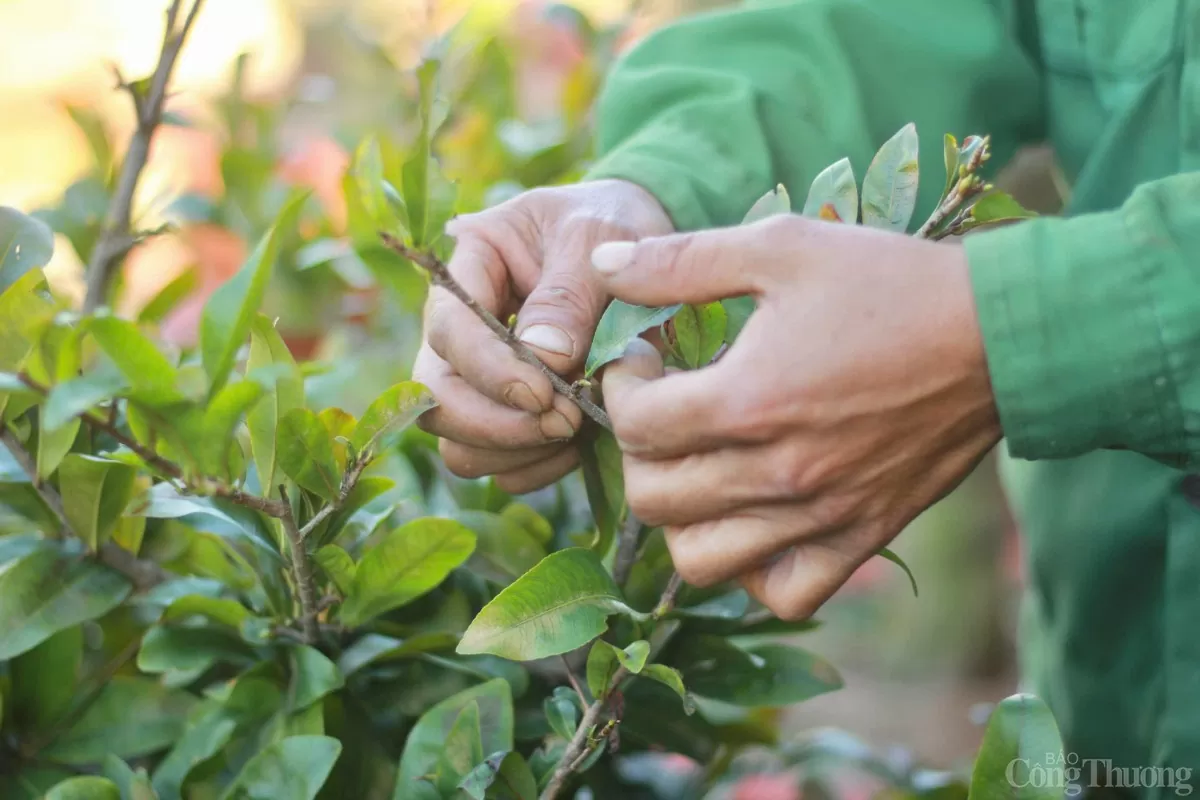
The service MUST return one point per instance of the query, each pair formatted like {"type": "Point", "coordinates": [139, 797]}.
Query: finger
{"type": "Point", "coordinates": [466, 416]}
{"type": "Point", "coordinates": [658, 417]}
{"type": "Point", "coordinates": [799, 582]}
{"type": "Point", "coordinates": [704, 486]}
{"type": "Point", "coordinates": [684, 267]}
{"type": "Point", "coordinates": [707, 553]}
{"type": "Point", "coordinates": [474, 351]}
{"type": "Point", "coordinates": [540, 474]}
{"type": "Point", "coordinates": [559, 316]}
{"type": "Point", "coordinates": [466, 461]}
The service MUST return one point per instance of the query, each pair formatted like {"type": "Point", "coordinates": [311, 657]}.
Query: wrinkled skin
{"type": "Point", "coordinates": [529, 257]}
{"type": "Point", "coordinates": [856, 396]}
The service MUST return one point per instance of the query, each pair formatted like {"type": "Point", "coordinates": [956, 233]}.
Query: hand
{"type": "Point", "coordinates": [856, 396]}
{"type": "Point", "coordinates": [498, 415]}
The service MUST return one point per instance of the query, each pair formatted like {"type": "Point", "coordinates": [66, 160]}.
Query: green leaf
{"type": "Point", "coordinates": [390, 413]}
{"type": "Point", "coordinates": [405, 564]}
{"type": "Point", "coordinates": [898, 561]}
{"type": "Point", "coordinates": [729, 606]}
{"type": "Point", "coordinates": [46, 591]}
{"type": "Point", "coordinates": [69, 399]}
{"type": "Point", "coordinates": [620, 325]}
{"type": "Point", "coordinates": [169, 648]}
{"type": "Point", "coordinates": [671, 678]}
{"type": "Point", "coordinates": [267, 349]}
{"type": "Point", "coordinates": [1021, 736]}
{"type": "Point", "coordinates": [531, 521]}
{"type": "Point", "coordinates": [210, 433]}
{"type": "Point", "coordinates": [223, 610]}
{"type": "Point", "coordinates": [379, 198]}
{"type": "Point", "coordinates": [562, 712]}
{"type": "Point", "coordinates": [53, 444]}
{"type": "Point", "coordinates": [604, 660]}
{"type": "Point", "coordinates": [889, 191]}
{"type": "Point", "coordinates": [424, 744]}
{"type": "Point", "coordinates": [559, 605]}
{"type": "Point", "coordinates": [141, 363]}
{"type": "Point", "coordinates": [997, 207]}
{"type": "Point", "coordinates": [836, 188]}
{"type": "Point", "coordinates": [207, 731]}
{"type": "Point", "coordinates": [230, 310]}
{"type": "Point", "coordinates": [168, 297]}
{"type": "Point", "coordinates": [737, 314]}
{"type": "Point", "coordinates": [131, 717]}
{"type": "Point", "coordinates": [766, 675]}
{"type": "Point", "coordinates": [604, 480]}
{"type": "Point", "coordinates": [773, 202]}
{"type": "Point", "coordinates": [25, 243]}
{"type": "Point", "coordinates": [338, 565]}
{"type": "Point", "coordinates": [699, 333]}
{"type": "Point", "coordinates": [501, 776]}
{"type": "Point", "coordinates": [89, 787]}
{"type": "Point", "coordinates": [463, 749]}
{"type": "Point", "coordinates": [340, 425]}
{"type": "Point", "coordinates": [368, 488]}
{"type": "Point", "coordinates": [44, 680]}
{"type": "Point", "coordinates": [420, 171]}
{"type": "Point", "coordinates": [313, 676]}
{"type": "Point", "coordinates": [305, 453]}
{"type": "Point", "coordinates": [374, 648]}
{"type": "Point", "coordinates": [24, 307]}
{"type": "Point", "coordinates": [950, 155]}
{"type": "Point", "coordinates": [132, 785]}
{"type": "Point", "coordinates": [95, 492]}
{"type": "Point", "coordinates": [296, 768]}
{"type": "Point", "coordinates": [504, 551]}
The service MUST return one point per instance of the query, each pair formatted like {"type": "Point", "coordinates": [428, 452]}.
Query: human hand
{"type": "Point", "coordinates": [530, 256]}
{"type": "Point", "coordinates": [855, 397]}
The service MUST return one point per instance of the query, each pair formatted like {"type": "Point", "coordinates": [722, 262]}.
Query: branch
{"type": "Point", "coordinates": [306, 589]}
{"type": "Point", "coordinates": [207, 486]}
{"type": "Point", "coordinates": [441, 277]}
{"type": "Point", "coordinates": [967, 186]}
{"type": "Point", "coordinates": [579, 746]}
{"type": "Point", "coordinates": [142, 574]}
{"type": "Point", "coordinates": [116, 237]}
{"type": "Point", "coordinates": [353, 472]}
{"type": "Point", "coordinates": [627, 544]}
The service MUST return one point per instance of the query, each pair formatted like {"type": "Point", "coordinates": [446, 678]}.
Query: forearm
{"type": "Point", "coordinates": [1092, 327]}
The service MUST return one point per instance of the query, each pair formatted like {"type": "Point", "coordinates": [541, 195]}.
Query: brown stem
{"type": "Point", "coordinates": [627, 544]}
{"type": "Point", "coordinates": [207, 486]}
{"type": "Point", "coordinates": [574, 681]}
{"type": "Point", "coordinates": [667, 601]}
{"type": "Point", "coordinates": [306, 589]}
{"type": "Point", "coordinates": [142, 574]}
{"type": "Point", "coordinates": [353, 472]}
{"type": "Point", "coordinates": [441, 277]}
{"type": "Point", "coordinates": [116, 237]}
{"type": "Point", "coordinates": [967, 186]}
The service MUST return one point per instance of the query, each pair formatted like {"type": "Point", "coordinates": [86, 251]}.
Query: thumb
{"type": "Point", "coordinates": [681, 268]}
{"type": "Point", "coordinates": [559, 316]}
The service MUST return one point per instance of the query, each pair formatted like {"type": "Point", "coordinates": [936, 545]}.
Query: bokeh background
{"type": "Point", "coordinates": [273, 93]}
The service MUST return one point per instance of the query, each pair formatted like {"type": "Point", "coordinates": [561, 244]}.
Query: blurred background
{"type": "Point", "coordinates": [271, 94]}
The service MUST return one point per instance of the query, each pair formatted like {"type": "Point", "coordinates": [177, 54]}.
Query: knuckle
{"type": "Point", "coordinates": [800, 474]}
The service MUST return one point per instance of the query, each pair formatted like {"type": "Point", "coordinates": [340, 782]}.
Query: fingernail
{"type": "Point", "coordinates": [555, 426]}
{"type": "Point", "coordinates": [612, 257]}
{"type": "Point", "coordinates": [550, 339]}
{"type": "Point", "coordinates": [520, 396]}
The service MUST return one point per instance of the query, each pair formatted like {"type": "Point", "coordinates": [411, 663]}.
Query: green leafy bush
{"type": "Point", "coordinates": [213, 587]}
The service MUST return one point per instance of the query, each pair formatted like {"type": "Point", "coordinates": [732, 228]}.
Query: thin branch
{"type": "Point", "coordinates": [627, 544]}
{"type": "Point", "coordinates": [574, 681]}
{"type": "Point", "coordinates": [965, 187]}
{"type": "Point", "coordinates": [441, 277]}
{"type": "Point", "coordinates": [353, 472]}
{"type": "Point", "coordinates": [306, 589]}
{"type": "Point", "coordinates": [142, 574]}
{"type": "Point", "coordinates": [206, 486]}
{"type": "Point", "coordinates": [116, 237]}
{"type": "Point", "coordinates": [579, 746]}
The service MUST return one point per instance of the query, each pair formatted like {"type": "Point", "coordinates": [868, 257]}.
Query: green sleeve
{"type": "Point", "coordinates": [1092, 326]}
{"type": "Point", "coordinates": [710, 113]}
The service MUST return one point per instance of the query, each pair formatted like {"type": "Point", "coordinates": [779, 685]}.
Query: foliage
{"type": "Point", "coordinates": [214, 585]}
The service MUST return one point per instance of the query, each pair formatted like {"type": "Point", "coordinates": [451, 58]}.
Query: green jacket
{"type": "Point", "coordinates": [1091, 322]}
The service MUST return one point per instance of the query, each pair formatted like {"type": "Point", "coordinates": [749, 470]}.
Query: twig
{"type": "Point", "coordinates": [206, 486]}
{"type": "Point", "coordinates": [627, 544]}
{"type": "Point", "coordinates": [574, 681]}
{"type": "Point", "coordinates": [306, 589]}
{"type": "Point", "coordinates": [142, 574]}
{"type": "Point", "coordinates": [353, 472]}
{"type": "Point", "coordinates": [441, 277]}
{"type": "Point", "coordinates": [578, 747]}
{"type": "Point", "coordinates": [116, 238]}
{"type": "Point", "coordinates": [966, 186]}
